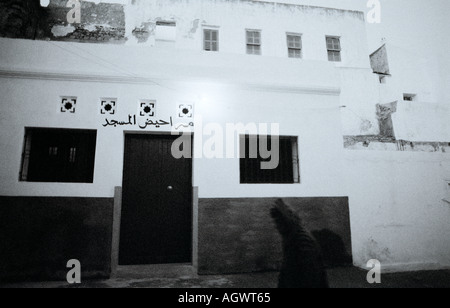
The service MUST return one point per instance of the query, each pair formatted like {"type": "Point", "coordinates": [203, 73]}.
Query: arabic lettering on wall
{"type": "Point", "coordinates": [132, 121]}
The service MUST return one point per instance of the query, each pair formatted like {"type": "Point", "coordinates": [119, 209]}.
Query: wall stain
{"type": "Point", "coordinates": [372, 250]}
{"type": "Point", "coordinates": [384, 114]}
{"type": "Point", "coordinates": [143, 33]}
{"type": "Point", "coordinates": [195, 26]}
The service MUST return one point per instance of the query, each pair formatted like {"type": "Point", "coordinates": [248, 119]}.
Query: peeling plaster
{"type": "Point", "coordinates": [383, 143]}
{"type": "Point", "coordinates": [100, 22]}
{"type": "Point", "coordinates": [373, 250]}
{"type": "Point", "coordinates": [144, 32]}
{"type": "Point", "coordinates": [365, 126]}
{"type": "Point", "coordinates": [384, 113]}
{"type": "Point", "coordinates": [62, 31]}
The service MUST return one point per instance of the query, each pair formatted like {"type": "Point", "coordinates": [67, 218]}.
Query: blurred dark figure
{"type": "Point", "coordinates": [302, 263]}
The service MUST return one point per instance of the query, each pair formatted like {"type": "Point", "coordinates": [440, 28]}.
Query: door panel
{"type": "Point", "coordinates": [156, 222]}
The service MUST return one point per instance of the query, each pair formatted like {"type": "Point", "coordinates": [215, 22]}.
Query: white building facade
{"type": "Point", "coordinates": [114, 92]}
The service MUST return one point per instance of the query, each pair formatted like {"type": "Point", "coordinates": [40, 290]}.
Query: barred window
{"type": "Point", "coordinates": [58, 155]}
{"type": "Point", "coordinates": [211, 40]}
{"type": "Point", "coordinates": [287, 171]}
{"type": "Point", "coordinates": [294, 42]}
{"type": "Point", "coordinates": [334, 49]}
{"type": "Point", "coordinates": [253, 42]}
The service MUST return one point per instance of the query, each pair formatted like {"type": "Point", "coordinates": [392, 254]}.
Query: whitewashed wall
{"type": "Point", "coordinates": [398, 215]}
{"type": "Point", "coordinates": [427, 118]}
{"type": "Point", "coordinates": [273, 19]}
{"type": "Point", "coordinates": [263, 93]}
{"type": "Point", "coordinates": [397, 212]}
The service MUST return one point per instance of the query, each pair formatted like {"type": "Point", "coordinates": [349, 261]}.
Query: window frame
{"type": "Point", "coordinates": [211, 41]}
{"type": "Point", "coordinates": [300, 49]}
{"type": "Point", "coordinates": [334, 50]}
{"type": "Point", "coordinates": [291, 162]}
{"type": "Point", "coordinates": [253, 44]}
{"type": "Point", "coordinates": [74, 157]}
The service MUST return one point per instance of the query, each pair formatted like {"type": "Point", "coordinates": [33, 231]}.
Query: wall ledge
{"type": "Point", "coordinates": [121, 79]}
{"type": "Point", "coordinates": [382, 143]}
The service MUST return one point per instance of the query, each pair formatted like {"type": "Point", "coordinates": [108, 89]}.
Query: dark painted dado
{"type": "Point", "coordinates": [239, 235]}
{"type": "Point", "coordinates": [39, 235]}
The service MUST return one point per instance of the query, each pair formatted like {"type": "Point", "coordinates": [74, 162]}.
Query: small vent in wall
{"type": "Point", "coordinates": [68, 104]}
{"type": "Point", "coordinates": [147, 108]}
{"type": "Point", "coordinates": [186, 111]}
{"type": "Point", "coordinates": [409, 97]}
{"type": "Point", "coordinates": [108, 105]}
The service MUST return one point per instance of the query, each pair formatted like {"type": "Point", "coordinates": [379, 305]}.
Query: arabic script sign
{"type": "Point", "coordinates": [133, 122]}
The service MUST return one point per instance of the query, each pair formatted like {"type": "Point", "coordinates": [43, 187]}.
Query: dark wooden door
{"type": "Point", "coordinates": [156, 226]}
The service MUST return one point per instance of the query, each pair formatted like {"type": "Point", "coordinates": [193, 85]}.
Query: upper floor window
{"type": "Point", "coordinates": [294, 42]}
{"type": "Point", "coordinates": [334, 48]}
{"type": "Point", "coordinates": [210, 40]}
{"type": "Point", "coordinates": [58, 155]}
{"type": "Point", "coordinates": [253, 42]}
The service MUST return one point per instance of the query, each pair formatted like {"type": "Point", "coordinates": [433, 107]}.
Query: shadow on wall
{"type": "Point", "coordinates": [239, 235]}
{"type": "Point", "coordinates": [39, 235]}
{"type": "Point", "coordinates": [333, 248]}
{"type": "Point", "coordinates": [24, 19]}
{"type": "Point", "coordinates": [303, 265]}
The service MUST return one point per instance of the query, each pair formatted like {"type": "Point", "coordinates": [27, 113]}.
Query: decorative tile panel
{"type": "Point", "coordinates": [147, 108]}
{"type": "Point", "coordinates": [108, 105]}
{"type": "Point", "coordinates": [185, 111]}
{"type": "Point", "coordinates": [68, 104]}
